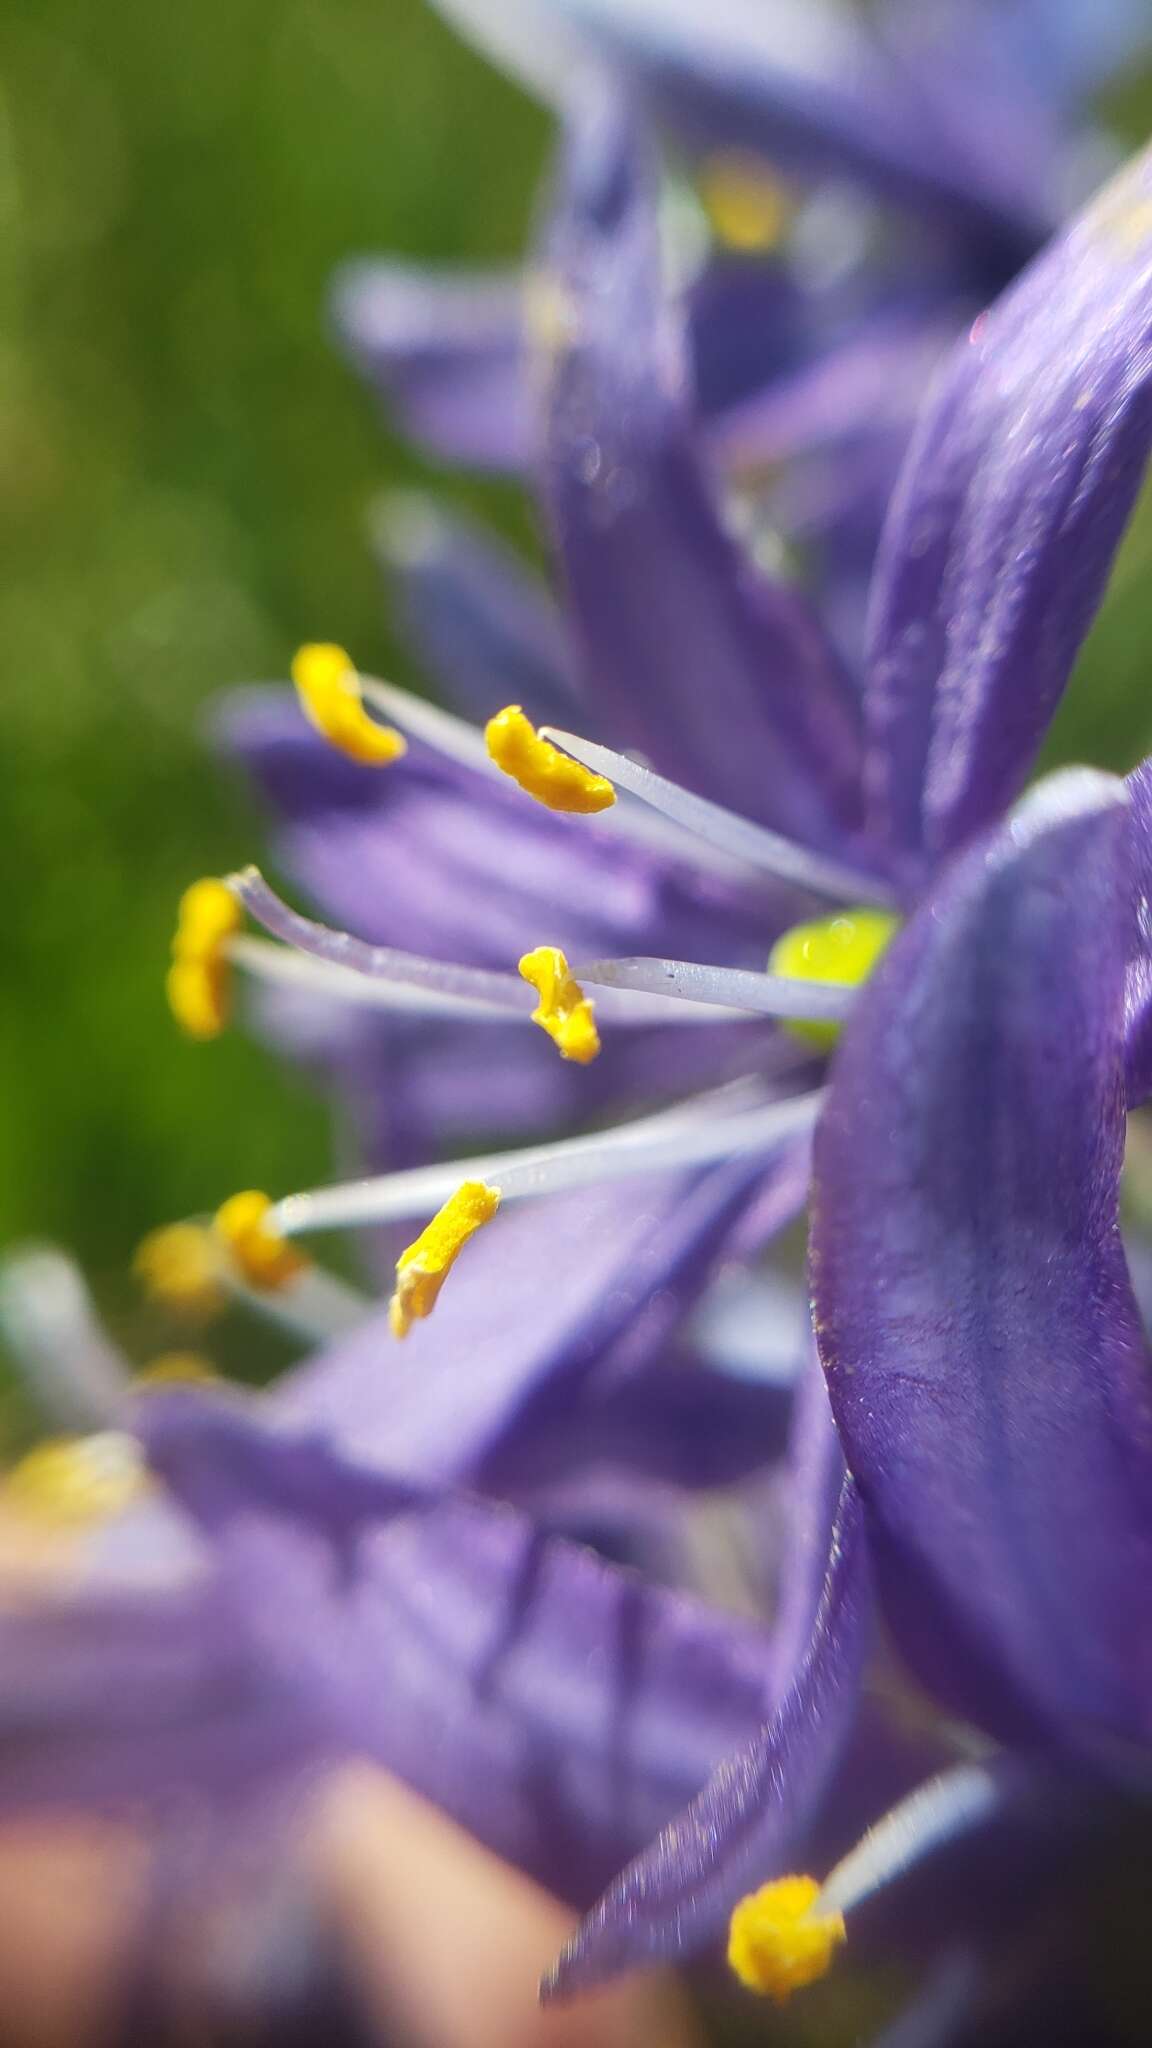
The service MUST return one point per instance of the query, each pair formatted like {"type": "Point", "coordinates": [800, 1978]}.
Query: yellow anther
{"type": "Point", "coordinates": [71, 1480]}
{"type": "Point", "coordinates": [177, 1369]}
{"type": "Point", "coordinates": [422, 1270]}
{"type": "Point", "coordinates": [777, 1944]}
{"type": "Point", "coordinates": [564, 1011]}
{"type": "Point", "coordinates": [553, 778]}
{"type": "Point", "coordinates": [264, 1259]}
{"type": "Point", "coordinates": [180, 1265]}
{"type": "Point", "coordinates": [748, 209]}
{"type": "Point", "coordinates": [842, 950]}
{"type": "Point", "coordinates": [200, 976]}
{"type": "Point", "coordinates": [328, 687]}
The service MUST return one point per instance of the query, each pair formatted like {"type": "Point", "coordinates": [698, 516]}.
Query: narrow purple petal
{"type": "Point", "coordinates": [985, 1357]}
{"type": "Point", "coordinates": [721, 677]}
{"type": "Point", "coordinates": [559, 1708]}
{"type": "Point", "coordinates": [677, 1896]}
{"type": "Point", "coordinates": [446, 352]}
{"type": "Point", "coordinates": [1003, 527]}
{"type": "Point", "coordinates": [591, 1290]}
{"type": "Point", "coordinates": [481, 621]}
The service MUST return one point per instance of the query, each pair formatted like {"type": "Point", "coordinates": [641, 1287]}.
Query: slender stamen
{"type": "Point", "coordinates": [667, 1142]}
{"type": "Point", "coordinates": [944, 1807]}
{"type": "Point", "coordinates": [731, 989]}
{"type": "Point", "coordinates": [753, 845]}
{"type": "Point", "coordinates": [323, 962]}
{"type": "Point", "coordinates": [382, 965]}
{"type": "Point", "coordinates": [453, 737]}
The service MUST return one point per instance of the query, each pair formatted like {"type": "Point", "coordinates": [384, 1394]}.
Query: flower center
{"type": "Point", "coordinates": [842, 950]}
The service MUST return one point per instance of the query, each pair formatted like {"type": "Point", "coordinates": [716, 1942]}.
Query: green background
{"type": "Point", "coordinates": [187, 468]}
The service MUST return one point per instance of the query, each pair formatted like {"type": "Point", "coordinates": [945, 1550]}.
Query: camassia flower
{"type": "Point", "coordinates": [708, 933]}
{"type": "Point", "coordinates": [950, 1240]}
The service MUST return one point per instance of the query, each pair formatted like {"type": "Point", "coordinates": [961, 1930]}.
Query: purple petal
{"type": "Point", "coordinates": [677, 1896]}
{"type": "Point", "coordinates": [446, 351]}
{"type": "Point", "coordinates": [985, 1358]}
{"type": "Point", "coordinates": [479, 620]}
{"type": "Point", "coordinates": [557, 1707]}
{"type": "Point", "coordinates": [722, 678]}
{"type": "Point", "coordinates": [591, 1289]}
{"type": "Point", "coordinates": [1003, 528]}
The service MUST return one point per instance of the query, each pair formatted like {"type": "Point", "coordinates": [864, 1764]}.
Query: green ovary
{"type": "Point", "coordinates": [842, 950]}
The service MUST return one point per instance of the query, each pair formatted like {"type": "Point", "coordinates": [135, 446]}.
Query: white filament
{"type": "Point", "coordinates": [752, 845]}
{"type": "Point", "coordinates": [730, 989]}
{"type": "Point", "coordinates": [932, 1815]}
{"type": "Point", "coordinates": [675, 1139]}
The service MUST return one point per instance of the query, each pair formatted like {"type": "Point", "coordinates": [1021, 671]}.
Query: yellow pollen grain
{"type": "Point", "coordinates": [264, 1259]}
{"type": "Point", "coordinates": [840, 950]}
{"type": "Point", "coordinates": [553, 778]}
{"type": "Point", "coordinates": [199, 979]}
{"type": "Point", "coordinates": [180, 1266]}
{"type": "Point", "coordinates": [777, 1944]}
{"type": "Point", "coordinates": [564, 1011]}
{"type": "Point", "coordinates": [69, 1481]}
{"type": "Point", "coordinates": [422, 1270]}
{"type": "Point", "coordinates": [332, 699]}
{"type": "Point", "coordinates": [749, 211]}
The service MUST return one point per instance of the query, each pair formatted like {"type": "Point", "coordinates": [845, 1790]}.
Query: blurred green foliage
{"type": "Point", "coordinates": [187, 468]}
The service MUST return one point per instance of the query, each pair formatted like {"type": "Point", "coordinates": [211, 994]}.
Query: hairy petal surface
{"type": "Point", "coordinates": [984, 1353]}
{"type": "Point", "coordinates": [1003, 527]}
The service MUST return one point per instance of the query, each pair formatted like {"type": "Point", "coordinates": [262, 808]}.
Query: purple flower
{"type": "Point", "coordinates": [975, 1320]}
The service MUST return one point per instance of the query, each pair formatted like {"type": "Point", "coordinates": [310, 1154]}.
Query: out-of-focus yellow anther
{"type": "Point", "coordinates": [776, 1942]}
{"type": "Point", "coordinates": [553, 778]}
{"type": "Point", "coordinates": [177, 1369]}
{"type": "Point", "coordinates": [180, 1266]}
{"type": "Point", "coordinates": [841, 950]}
{"type": "Point", "coordinates": [564, 1011]}
{"type": "Point", "coordinates": [749, 210]}
{"type": "Point", "coordinates": [70, 1480]}
{"type": "Point", "coordinates": [422, 1270]}
{"type": "Point", "coordinates": [328, 687]}
{"type": "Point", "coordinates": [263, 1258]}
{"type": "Point", "coordinates": [200, 976]}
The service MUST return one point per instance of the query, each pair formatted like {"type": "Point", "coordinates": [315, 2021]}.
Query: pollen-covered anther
{"type": "Point", "coordinates": [422, 1270]}
{"type": "Point", "coordinates": [199, 979]}
{"type": "Point", "coordinates": [748, 208]}
{"type": "Point", "coordinates": [332, 698]}
{"type": "Point", "coordinates": [69, 1481]}
{"type": "Point", "coordinates": [261, 1258]}
{"type": "Point", "coordinates": [553, 778]}
{"type": "Point", "coordinates": [180, 1266]}
{"type": "Point", "coordinates": [564, 1011]}
{"type": "Point", "coordinates": [778, 1942]}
